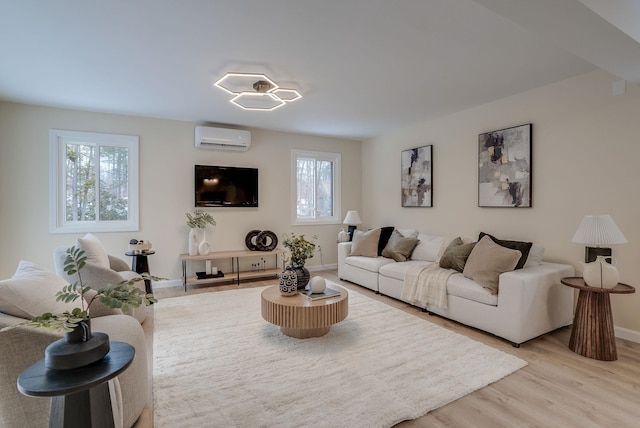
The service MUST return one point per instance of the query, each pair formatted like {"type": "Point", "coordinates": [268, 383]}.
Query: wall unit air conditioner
{"type": "Point", "coordinates": [222, 139]}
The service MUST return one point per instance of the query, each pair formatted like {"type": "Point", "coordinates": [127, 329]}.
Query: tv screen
{"type": "Point", "coordinates": [226, 186]}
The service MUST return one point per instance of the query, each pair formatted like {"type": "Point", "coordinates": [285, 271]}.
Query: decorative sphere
{"type": "Point", "coordinates": [317, 284]}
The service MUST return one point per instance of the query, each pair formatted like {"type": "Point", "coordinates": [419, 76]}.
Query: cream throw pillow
{"type": "Point", "coordinates": [93, 250]}
{"type": "Point", "coordinates": [31, 292]}
{"type": "Point", "coordinates": [487, 261]}
{"type": "Point", "coordinates": [365, 243]}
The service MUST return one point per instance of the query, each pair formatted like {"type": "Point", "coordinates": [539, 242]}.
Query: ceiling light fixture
{"type": "Point", "coordinates": [255, 92]}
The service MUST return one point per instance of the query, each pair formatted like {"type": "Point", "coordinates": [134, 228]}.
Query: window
{"type": "Point", "coordinates": [315, 181]}
{"type": "Point", "coordinates": [93, 182]}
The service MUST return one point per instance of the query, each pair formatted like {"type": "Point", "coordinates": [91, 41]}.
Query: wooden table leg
{"type": "Point", "coordinates": [592, 335]}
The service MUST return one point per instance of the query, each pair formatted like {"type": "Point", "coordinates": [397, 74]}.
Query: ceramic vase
{"type": "Point", "coordinates": [288, 282]}
{"type": "Point", "coordinates": [343, 236]}
{"type": "Point", "coordinates": [303, 276]}
{"type": "Point", "coordinates": [601, 274]}
{"type": "Point", "coordinates": [78, 348]}
{"type": "Point", "coordinates": [196, 236]}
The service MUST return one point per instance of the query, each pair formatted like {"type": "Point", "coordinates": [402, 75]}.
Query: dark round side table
{"type": "Point", "coordinates": [80, 397]}
{"type": "Point", "coordinates": [592, 334]}
{"type": "Point", "coordinates": [140, 264]}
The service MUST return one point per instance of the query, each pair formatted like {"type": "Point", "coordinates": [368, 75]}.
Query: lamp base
{"type": "Point", "coordinates": [350, 230]}
{"type": "Point", "coordinates": [590, 253]}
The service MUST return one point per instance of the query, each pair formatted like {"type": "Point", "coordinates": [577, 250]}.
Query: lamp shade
{"type": "Point", "coordinates": [352, 217]}
{"type": "Point", "coordinates": [598, 230]}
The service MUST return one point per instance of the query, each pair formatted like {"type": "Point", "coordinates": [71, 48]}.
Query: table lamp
{"type": "Point", "coordinates": [596, 231]}
{"type": "Point", "coordinates": [352, 219]}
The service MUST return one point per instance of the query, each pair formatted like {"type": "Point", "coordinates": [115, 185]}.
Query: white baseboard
{"type": "Point", "coordinates": [626, 334]}
{"type": "Point", "coordinates": [167, 283]}
{"type": "Point", "coordinates": [322, 267]}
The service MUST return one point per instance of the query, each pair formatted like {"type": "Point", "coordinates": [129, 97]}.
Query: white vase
{"type": "Point", "coordinates": [601, 274]}
{"type": "Point", "coordinates": [203, 248]}
{"type": "Point", "coordinates": [196, 236]}
{"type": "Point", "coordinates": [343, 236]}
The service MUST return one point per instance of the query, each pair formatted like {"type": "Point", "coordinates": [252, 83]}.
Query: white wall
{"type": "Point", "coordinates": [167, 157]}
{"type": "Point", "coordinates": [586, 160]}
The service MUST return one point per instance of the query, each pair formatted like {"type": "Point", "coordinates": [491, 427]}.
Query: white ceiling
{"type": "Point", "coordinates": [364, 67]}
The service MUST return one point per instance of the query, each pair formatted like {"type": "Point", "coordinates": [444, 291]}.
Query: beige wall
{"type": "Point", "coordinates": [167, 156]}
{"type": "Point", "coordinates": [586, 160]}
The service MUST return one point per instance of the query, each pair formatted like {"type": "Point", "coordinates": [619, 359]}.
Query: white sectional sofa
{"type": "Point", "coordinates": [530, 301]}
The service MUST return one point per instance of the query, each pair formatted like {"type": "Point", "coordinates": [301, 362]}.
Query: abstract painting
{"type": "Point", "coordinates": [504, 168]}
{"type": "Point", "coordinates": [417, 175]}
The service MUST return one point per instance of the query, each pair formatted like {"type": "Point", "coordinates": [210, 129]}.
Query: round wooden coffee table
{"type": "Point", "coordinates": [301, 317]}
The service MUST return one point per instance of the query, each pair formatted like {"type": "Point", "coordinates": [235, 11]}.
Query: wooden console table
{"type": "Point", "coordinates": [592, 334]}
{"type": "Point", "coordinates": [236, 274]}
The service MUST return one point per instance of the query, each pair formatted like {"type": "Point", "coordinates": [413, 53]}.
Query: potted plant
{"type": "Point", "coordinates": [76, 323]}
{"type": "Point", "coordinates": [197, 222]}
{"type": "Point", "coordinates": [300, 249]}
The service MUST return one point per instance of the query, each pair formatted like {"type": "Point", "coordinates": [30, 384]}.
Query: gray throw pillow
{"type": "Point", "coordinates": [399, 248]}
{"type": "Point", "coordinates": [456, 255]}
{"type": "Point", "coordinates": [487, 261]}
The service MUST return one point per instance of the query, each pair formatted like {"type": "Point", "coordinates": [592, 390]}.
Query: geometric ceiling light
{"type": "Point", "coordinates": [255, 92]}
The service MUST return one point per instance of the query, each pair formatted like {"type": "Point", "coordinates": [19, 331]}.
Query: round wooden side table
{"type": "Point", "coordinates": [592, 334]}
{"type": "Point", "coordinates": [300, 317]}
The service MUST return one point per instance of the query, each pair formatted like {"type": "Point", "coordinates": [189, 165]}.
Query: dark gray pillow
{"type": "Point", "coordinates": [523, 247]}
{"type": "Point", "coordinates": [385, 234]}
{"type": "Point", "coordinates": [399, 248]}
{"type": "Point", "coordinates": [456, 255]}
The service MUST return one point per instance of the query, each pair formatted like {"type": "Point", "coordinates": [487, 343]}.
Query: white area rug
{"type": "Point", "coordinates": [217, 363]}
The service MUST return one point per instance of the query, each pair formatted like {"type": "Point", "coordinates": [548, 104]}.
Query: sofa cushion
{"type": "Point", "coordinates": [523, 247]}
{"type": "Point", "coordinates": [93, 250]}
{"type": "Point", "coordinates": [456, 255]}
{"type": "Point", "coordinates": [428, 249]}
{"type": "Point", "coordinates": [385, 234]}
{"type": "Point", "coordinates": [371, 264]}
{"type": "Point", "coordinates": [398, 270]}
{"type": "Point", "coordinates": [365, 243]}
{"type": "Point", "coordinates": [399, 248]}
{"type": "Point", "coordinates": [487, 261]}
{"type": "Point", "coordinates": [31, 292]}
{"type": "Point", "coordinates": [461, 286]}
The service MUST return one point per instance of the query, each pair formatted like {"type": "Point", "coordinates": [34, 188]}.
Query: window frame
{"type": "Point", "coordinates": [57, 190]}
{"type": "Point", "coordinates": [335, 158]}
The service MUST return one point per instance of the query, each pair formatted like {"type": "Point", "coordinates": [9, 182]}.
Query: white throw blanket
{"type": "Point", "coordinates": [426, 285]}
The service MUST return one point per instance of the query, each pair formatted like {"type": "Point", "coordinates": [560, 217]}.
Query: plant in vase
{"type": "Point", "coordinates": [80, 346]}
{"type": "Point", "coordinates": [300, 249]}
{"type": "Point", "coordinates": [197, 222]}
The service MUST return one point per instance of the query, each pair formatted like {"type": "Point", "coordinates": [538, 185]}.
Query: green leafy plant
{"type": "Point", "coordinates": [199, 219]}
{"type": "Point", "coordinates": [299, 247]}
{"type": "Point", "coordinates": [122, 295]}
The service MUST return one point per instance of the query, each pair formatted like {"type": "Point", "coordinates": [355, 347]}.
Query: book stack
{"type": "Point", "coordinates": [328, 292]}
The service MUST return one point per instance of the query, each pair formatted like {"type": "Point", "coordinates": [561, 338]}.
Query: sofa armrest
{"type": "Point", "coordinates": [344, 249]}
{"type": "Point", "coordinates": [535, 300]}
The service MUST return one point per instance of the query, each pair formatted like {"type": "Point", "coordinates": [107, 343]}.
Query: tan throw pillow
{"type": "Point", "coordinates": [93, 250]}
{"type": "Point", "coordinates": [456, 255]}
{"type": "Point", "coordinates": [487, 261]}
{"type": "Point", "coordinates": [365, 243]}
{"type": "Point", "coordinates": [399, 248]}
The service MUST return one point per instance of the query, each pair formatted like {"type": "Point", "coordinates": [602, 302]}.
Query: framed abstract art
{"type": "Point", "coordinates": [504, 168]}
{"type": "Point", "coordinates": [417, 177]}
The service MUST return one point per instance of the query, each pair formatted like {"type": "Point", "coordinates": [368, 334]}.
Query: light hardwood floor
{"type": "Point", "coordinates": [558, 388]}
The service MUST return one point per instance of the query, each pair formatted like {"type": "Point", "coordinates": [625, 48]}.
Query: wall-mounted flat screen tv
{"type": "Point", "coordinates": [226, 186]}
